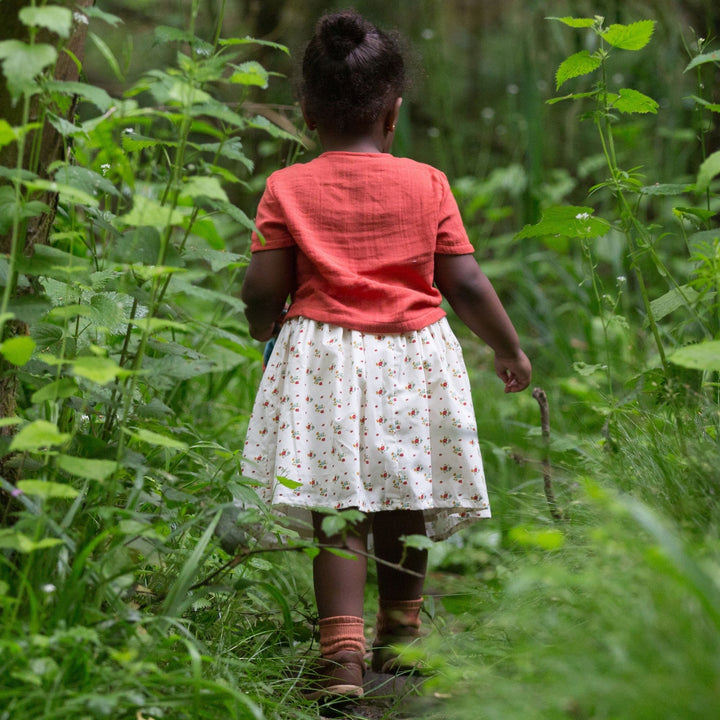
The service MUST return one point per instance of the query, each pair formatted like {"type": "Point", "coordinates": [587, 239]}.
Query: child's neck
{"type": "Point", "coordinates": [359, 145]}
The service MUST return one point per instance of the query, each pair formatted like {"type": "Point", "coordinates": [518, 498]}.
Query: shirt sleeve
{"type": "Point", "coordinates": [452, 238]}
{"type": "Point", "coordinates": [272, 230]}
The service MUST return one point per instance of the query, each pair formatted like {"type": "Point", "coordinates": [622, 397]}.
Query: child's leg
{"type": "Point", "coordinates": [388, 528]}
{"type": "Point", "coordinates": [340, 581]}
{"type": "Point", "coordinates": [339, 593]}
{"type": "Point", "coordinates": [398, 619]}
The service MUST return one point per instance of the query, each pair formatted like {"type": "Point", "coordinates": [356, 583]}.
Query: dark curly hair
{"type": "Point", "coordinates": [350, 71]}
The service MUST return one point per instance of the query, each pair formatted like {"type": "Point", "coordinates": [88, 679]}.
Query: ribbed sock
{"type": "Point", "coordinates": [341, 633]}
{"type": "Point", "coordinates": [398, 613]}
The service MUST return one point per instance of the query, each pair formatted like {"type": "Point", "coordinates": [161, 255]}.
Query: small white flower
{"type": "Point", "coordinates": [80, 18]}
{"type": "Point", "coordinates": [428, 34]}
{"type": "Point", "coordinates": [582, 216]}
{"type": "Point", "coordinates": [48, 588]}
{"type": "Point", "coordinates": [621, 279]}
{"type": "Point", "coordinates": [513, 89]}
{"type": "Point", "coordinates": [128, 131]}
{"type": "Point", "coordinates": [105, 167]}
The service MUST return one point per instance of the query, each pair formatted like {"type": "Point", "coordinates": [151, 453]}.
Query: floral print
{"type": "Point", "coordinates": [373, 422]}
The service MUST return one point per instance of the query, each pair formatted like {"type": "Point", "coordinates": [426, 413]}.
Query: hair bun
{"type": "Point", "coordinates": [342, 33]}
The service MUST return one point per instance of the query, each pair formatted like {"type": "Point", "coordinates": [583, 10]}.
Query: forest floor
{"type": "Point", "coordinates": [386, 696]}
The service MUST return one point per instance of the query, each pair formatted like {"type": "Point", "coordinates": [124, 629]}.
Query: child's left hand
{"type": "Point", "coordinates": [515, 372]}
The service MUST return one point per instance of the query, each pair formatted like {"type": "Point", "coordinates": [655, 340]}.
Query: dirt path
{"type": "Point", "coordinates": [386, 697]}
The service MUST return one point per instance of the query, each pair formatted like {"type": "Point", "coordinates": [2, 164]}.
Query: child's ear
{"type": "Point", "coordinates": [392, 115]}
{"type": "Point", "coordinates": [309, 120]}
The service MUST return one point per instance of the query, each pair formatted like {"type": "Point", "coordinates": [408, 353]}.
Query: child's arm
{"type": "Point", "coordinates": [269, 279]}
{"type": "Point", "coordinates": [473, 298]}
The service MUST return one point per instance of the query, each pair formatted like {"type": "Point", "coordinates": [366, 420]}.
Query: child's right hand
{"type": "Point", "coordinates": [515, 372]}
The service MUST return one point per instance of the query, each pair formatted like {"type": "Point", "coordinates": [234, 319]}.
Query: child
{"type": "Point", "coordinates": [365, 401]}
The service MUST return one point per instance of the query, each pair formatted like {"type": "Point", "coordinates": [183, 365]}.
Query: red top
{"type": "Point", "coordinates": [366, 227]}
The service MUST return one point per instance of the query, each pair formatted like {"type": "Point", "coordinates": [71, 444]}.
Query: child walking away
{"type": "Point", "coordinates": [365, 402]}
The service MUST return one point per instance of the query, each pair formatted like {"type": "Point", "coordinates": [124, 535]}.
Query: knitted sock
{"type": "Point", "coordinates": [341, 633]}
{"type": "Point", "coordinates": [396, 614]}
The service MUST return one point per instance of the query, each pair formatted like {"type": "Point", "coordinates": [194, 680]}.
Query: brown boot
{"type": "Point", "coordinates": [398, 624]}
{"type": "Point", "coordinates": [339, 672]}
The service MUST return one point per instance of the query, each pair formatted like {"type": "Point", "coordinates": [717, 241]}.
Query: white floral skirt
{"type": "Point", "coordinates": [346, 419]}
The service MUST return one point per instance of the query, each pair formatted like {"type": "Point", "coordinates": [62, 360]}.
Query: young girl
{"type": "Point", "coordinates": [365, 402]}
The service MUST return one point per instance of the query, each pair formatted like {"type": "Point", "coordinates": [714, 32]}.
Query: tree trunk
{"type": "Point", "coordinates": [37, 229]}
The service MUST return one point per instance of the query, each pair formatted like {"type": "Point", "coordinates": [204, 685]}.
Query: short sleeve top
{"type": "Point", "coordinates": [366, 228]}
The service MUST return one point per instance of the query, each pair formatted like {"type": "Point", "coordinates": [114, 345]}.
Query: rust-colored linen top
{"type": "Point", "coordinates": [366, 227]}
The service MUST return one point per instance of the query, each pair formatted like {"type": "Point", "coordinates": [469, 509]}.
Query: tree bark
{"type": "Point", "coordinates": [37, 229]}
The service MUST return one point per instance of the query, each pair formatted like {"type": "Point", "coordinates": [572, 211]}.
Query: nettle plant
{"type": "Point", "coordinates": [125, 327]}
{"type": "Point", "coordinates": [696, 294]}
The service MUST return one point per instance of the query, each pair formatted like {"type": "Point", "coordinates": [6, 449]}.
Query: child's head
{"type": "Point", "coordinates": [351, 73]}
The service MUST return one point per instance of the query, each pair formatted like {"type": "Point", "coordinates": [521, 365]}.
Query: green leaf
{"type": "Point", "coordinates": [107, 53]}
{"type": "Point", "coordinates": [250, 73]}
{"type": "Point", "coordinates": [100, 370]}
{"type": "Point", "coordinates": [262, 123]}
{"type": "Point", "coordinates": [92, 93]}
{"type": "Point", "coordinates": [578, 64]}
{"type": "Point", "coordinates": [419, 542]}
{"type": "Point", "coordinates": [51, 262]}
{"type": "Point", "coordinates": [219, 111]}
{"type": "Point", "coordinates": [7, 134]}
{"type": "Point", "coordinates": [166, 34]}
{"type": "Point", "coordinates": [154, 324]}
{"type": "Point", "coordinates": [664, 189]}
{"type": "Point", "coordinates": [333, 525]}
{"type": "Point", "coordinates": [254, 41]}
{"type": "Point", "coordinates": [95, 12]}
{"type": "Point", "coordinates": [230, 149]}
{"type": "Point", "coordinates": [56, 390]}
{"type": "Point", "coordinates": [86, 468]}
{"type": "Point", "coordinates": [632, 101]}
{"type": "Point", "coordinates": [69, 193]}
{"type": "Point", "coordinates": [22, 63]}
{"type": "Point", "coordinates": [10, 421]}
{"type": "Point", "coordinates": [713, 107]}
{"type": "Point", "coordinates": [694, 213]}
{"type": "Point", "coordinates": [288, 483]}
{"type": "Point", "coordinates": [572, 96]}
{"type": "Point", "coordinates": [66, 312]}
{"type": "Point", "coordinates": [218, 259]}
{"type": "Point", "coordinates": [51, 17]}
{"type": "Point", "coordinates": [708, 170]}
{"type": "Point", "coordinates": [45, 489]}
{"type": "Point", "coordinates": [234, 212]}
{"type": "Point", "coordinates": [712, 57]}
{"type": "Point", "coordinates": [153, 438]}
{"type": "Point", "coordinates": [37, 435]}
{"type": "Point", "coordinates": [566, 221]}
{"type": "Point", "coordinates": [186, 94]}
{"type": "Point", "coordinates": [150, 213]}
{"type": "Point", "coordinates": [18, 350]}
{"type": "Point", "coordinates": [108, 311]}
{"type": "Point", "coordinates": [630, 37]}
{"type": "Point", "coordinates": [574, 22]}
{"type": "Point", "coordinates": [14, 540]}
{"type": "Point", "coordinates": [545, 539]}
{"type": "Point", "coordinates": [203, 186]}
{"type": "Point", "coordinates": [702, 356]}
{"type": "Point", "coordinates": [86, 180]}
{"type": "Point", "coordinates": [674, 299]}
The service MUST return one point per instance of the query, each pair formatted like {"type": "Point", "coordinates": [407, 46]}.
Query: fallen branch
{"type": "Point", "coordinates": [555, 511]}
{"type": "Point", "coordinates": [246, 553]}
